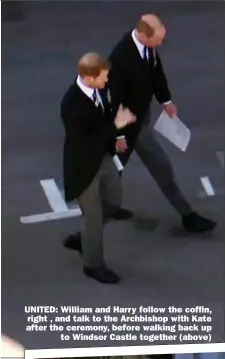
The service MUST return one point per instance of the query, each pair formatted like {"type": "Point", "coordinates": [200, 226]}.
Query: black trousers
{"type": "Point", "coordinates": [160, 168]}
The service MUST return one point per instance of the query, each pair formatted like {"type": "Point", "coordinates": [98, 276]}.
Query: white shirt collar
{"type": "Point", "coordinates": [140, 47]}
{"type": "Point", "coordinates": [87, 90]}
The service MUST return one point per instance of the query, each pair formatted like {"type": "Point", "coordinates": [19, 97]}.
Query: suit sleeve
{"type": "Point", "coordinates": [118, 82]}
{"type": "Point", "coordinates": [117, 85]}
{"type": "Point", "coordinates": [160, 85]}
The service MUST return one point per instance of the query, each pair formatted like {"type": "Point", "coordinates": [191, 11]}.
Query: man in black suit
{"type": "Point", "coordinates": [90, 175]}
{"type": "Point", "coordinates": [135, 77]}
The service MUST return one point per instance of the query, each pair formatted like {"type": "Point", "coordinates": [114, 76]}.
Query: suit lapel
{"type": "Point", "coordinates": [134, 50]}
{"type": "Point", "coordinates": [106, 99]}
{"type": "Point", "coordinates": [103, 95]}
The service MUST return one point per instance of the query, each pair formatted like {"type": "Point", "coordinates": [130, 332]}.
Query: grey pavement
{"type": "Point", "coordinates": [160, 264]}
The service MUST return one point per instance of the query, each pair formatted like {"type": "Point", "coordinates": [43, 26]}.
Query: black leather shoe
{"type": "Point", "coordinates": [102, 274]}
{"type": "Point", "coordinates": [120, 214]}
{"type": "Point", "coordinates": [73, 241]}
{"type": "Point", "coordinates": [193, 222]}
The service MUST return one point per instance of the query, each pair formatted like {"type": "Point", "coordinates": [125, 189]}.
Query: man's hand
{"type": "Point", "coordinates": [124, 117]}
{"type": "Point", "coordinates": [121, 144]}
{"type": "Point", "coordinates": [170, 109]}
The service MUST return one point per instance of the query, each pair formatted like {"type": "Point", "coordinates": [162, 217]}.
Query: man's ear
{"type": "Point", "coordinates": [89, 79]}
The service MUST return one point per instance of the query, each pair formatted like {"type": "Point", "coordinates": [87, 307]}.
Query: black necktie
{"type": "Point", "coordinates": [94, 97]}
{"type": "Point", "coordinates": [145, 53]}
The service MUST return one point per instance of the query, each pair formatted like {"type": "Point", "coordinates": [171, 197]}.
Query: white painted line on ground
{"type": "Point", "coordinates": [53, 195]}
{"type": "Point", "coordinates": [220, 156]}
{"type": "Point", "coordinates": [50, 216]}
{"type": "Point", "coordinates": [207, 186]}
{"type": "Point", "coordinates": [218, 192]}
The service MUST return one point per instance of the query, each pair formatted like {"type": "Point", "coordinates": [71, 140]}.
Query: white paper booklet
{"type": "Point", "coordinates": [174, 130]}
{"type": "Point", "coordinates": [118, 163]}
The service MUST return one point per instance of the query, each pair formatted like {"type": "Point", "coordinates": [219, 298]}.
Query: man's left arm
{"type": "Point", "coordinates": [160, 87]}
{"type": "Point", "coordinates": [160, 84]}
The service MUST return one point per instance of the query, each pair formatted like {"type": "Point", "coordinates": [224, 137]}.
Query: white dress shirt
{"type": "Point", "coordinates": [140, 48]}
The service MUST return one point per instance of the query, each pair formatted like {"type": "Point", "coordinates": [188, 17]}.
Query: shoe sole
{"type": "Point", "coordinates": [101, 281]}
{"type": "Point", "coordinates": [201, 230]}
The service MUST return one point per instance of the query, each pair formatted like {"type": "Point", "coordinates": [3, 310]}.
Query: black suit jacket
{"type": "Point", "coordinates": [90, 135]}
{"type": "Point", "coordinates": [133, 82]}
